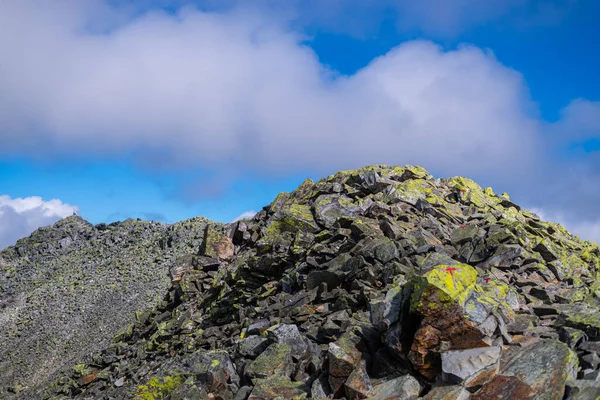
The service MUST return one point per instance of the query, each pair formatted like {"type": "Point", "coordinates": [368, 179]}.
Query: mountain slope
{"type": "Point", "coordinates": [66, 290]}
{"type": "Point", "coordinates": [377, 283]}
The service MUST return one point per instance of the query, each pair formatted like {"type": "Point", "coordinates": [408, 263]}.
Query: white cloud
{"type": "Point", "coordinates": [245, 215]}
{"type": "Point", "coordinates": [238, 89]}
{"type": "Point", "coordinates": [21, 216]}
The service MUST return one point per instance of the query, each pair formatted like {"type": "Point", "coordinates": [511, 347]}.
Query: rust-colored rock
{"type": "Point", "coordinates": [456, 311]}
{"type": "Point", "coordinates": [218, 245]}
{"type": "Point", "coordinates": [427, 340]}
{"type": "Point", "coordinates": [504, 387]}
{"type": "Point", "coordinates": [358, 385]}
{"type": "Point", "coordinates": [86, 380]}
{"type": "Point", "coordinates": [344, 356]}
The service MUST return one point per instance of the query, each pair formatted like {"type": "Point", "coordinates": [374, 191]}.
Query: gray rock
{"type": "Point", "coordinates": [583, 390]}
{"type": "Point", "coordinates": [460, 365]}
{"type": "Point", "coordinates": [402, 388]}
{"type": "Point", "coordinates": [252, 346]}
{"type": "Point", "coordinates": [320, 388]}
{"type": "Point", "coordinates": [315, 278]}
{"type": "Point", "coordinates": [385, 312]}
{"type": "Point", "coordinates": [275, 360]}
{"type": "Point", "coordinates": [447, 393]}
{"type": "Point", "coordinates": [290, 336]}
{"type": "Point", "coordinates": [541, 370]}
{"type": "Point", "coordinates": [358, 385]}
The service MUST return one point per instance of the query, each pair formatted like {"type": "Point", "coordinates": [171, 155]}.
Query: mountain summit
{"type": "Point", "coordinates": [380, 283]}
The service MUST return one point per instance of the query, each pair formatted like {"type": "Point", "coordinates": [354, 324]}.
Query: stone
{"type": "Point", "coordinates": [454, 392]}
{"type": "Point", "coordinates": [504, 256]}
{"type": "Point", "coordinates": [320, 388]}
{"type": "Point", "coordinates": [505, 387]}
{"type": "Point", "coordinates": [583, 390]}
{"type": "Point", "coordinates": [591, 360]}
{"type": "Point", "coordinates": [385, 365]}
{"type": "Point", "coordinates": [289, 335]}
{"type": "Point", "coordinates": [460, 365]}
{"type": "Point", "coordinates": [570, 336]}
{"type": "Point", "coordinates": [275, 360]}
{"type": "Point", "coordinates": [465, 234]}
{"type": "Point", "coordinates": [252, 346]}
{"type": "Point", "coordinates": [592, 347]}
{"type": "Point", "coordinates": [588, 322]}
{"type": "Point", "coordinates": [434, 259]}
{"type": "Point", "coordinates": [343, 356]}
{"type": "Point", "coordinates": [258, 327]}
{"type": "Point", "coordinates": [538, 371]}
{"type": "Point", "coordinates": [455, 309]}
{"type": "Point", "coordinates": [330, 208]}
{"type": "Point", "coordinates": [214, 371]}
{"type": "Point", "coordinates": [278, 387]}
{"type": "Point", "coordinates": [387, 311]}
{"type": "Point", "coordinates": [358, 385]}
{"type": "Point", "coordinates": [70, 301]}
{"type": "Point", "coordinates": [316, 278]}
{"type": "Point", "coordinates": [404, 387]}
{"type": "Point", "coordinates": [217, 245]}
{"type": "Point", "coordinates": [521, 324]}
{"type": "Point", "coordinates": [242, 393]}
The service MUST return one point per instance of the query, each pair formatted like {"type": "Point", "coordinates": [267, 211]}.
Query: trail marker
{"type": "Point", "coordinates": [451, 270]}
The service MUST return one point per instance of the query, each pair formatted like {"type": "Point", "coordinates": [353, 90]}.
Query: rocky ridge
{"type": "Point", "coordinates": [380, 283]}
{"type": "Point", "coordinates": [68, 289]}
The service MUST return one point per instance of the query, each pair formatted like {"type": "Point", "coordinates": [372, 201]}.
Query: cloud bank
{"type": "Point", "coordinates": [239, 89]}
{"type": "Point", "coordinates": [242, 90]}
{"type": "Point", "coordinates": [21, 216]}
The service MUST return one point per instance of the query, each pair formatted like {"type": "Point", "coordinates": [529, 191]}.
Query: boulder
{"type": "Point", "coordinates": [537, 371]}
{"type": "Point", "coordinates": [469, 365]}
{"type": "Point", "coordinates": [456, 311]}
{"type": "Point", "coordinates": [402, 388]}
{"type": "Point", "coordinates": [278, 387]}
{"type": "Point", "coordinates": [275, 360]}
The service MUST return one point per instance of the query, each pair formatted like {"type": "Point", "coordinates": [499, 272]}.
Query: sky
{"type": "Point", "coordinates": [167, 109]}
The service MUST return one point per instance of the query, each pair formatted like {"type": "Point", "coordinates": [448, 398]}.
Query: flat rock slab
{"type": "Point", "coordinates": [459, 365]}
{"type": "Point", "coordinates": [447, 393]}
{"type": "Point", "coordinates": [403, 388]}
{"type": "Point", "coordinates": [538, 371]}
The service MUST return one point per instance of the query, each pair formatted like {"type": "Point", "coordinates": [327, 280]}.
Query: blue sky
{"type": "Point", "coordinates": [166, 110]}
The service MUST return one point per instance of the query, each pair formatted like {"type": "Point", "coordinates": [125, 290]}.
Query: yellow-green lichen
{"type": "Point", "coordinates": [451, 284]}
{"type": "Point", "coordinates": [159, 388]}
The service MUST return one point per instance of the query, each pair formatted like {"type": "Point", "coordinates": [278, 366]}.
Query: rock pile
{"type": "Point", "coordinates": [380, 283]}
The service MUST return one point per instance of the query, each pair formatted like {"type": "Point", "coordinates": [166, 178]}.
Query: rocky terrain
{"type": "Point", "coordinates": [68, 289]}
{"type": "Point", "coordinates": [380, 283]}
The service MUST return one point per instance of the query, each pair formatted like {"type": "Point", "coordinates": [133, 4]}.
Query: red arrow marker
{"type": "Point", "coordinates": [462, 227]}
{"type": "Point", "coordinates": [487, 280]}
{"type": "Point", "coordinates": [451, 270]}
